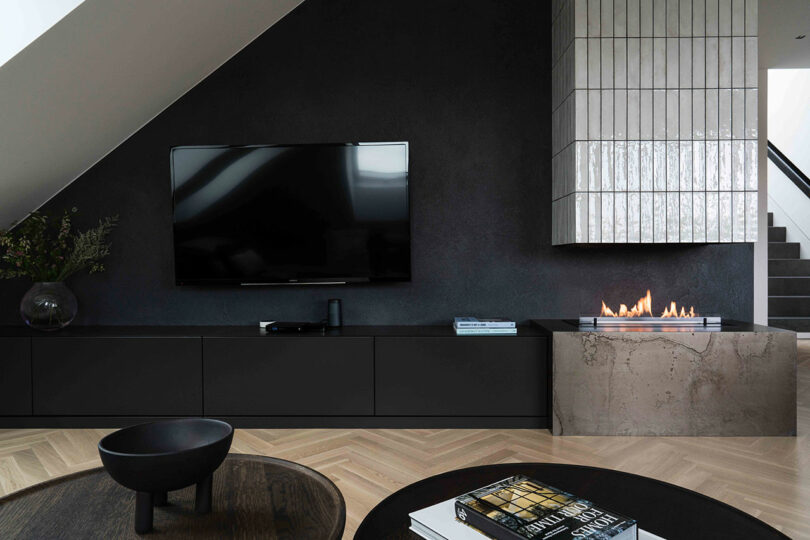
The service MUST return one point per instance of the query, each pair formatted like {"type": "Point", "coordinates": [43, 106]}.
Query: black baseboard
{"type": "Point", "coordinates": [402, 422]}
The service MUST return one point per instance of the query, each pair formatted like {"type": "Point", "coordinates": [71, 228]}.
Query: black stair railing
{"type": "Point", "coordinates": [789, 168]}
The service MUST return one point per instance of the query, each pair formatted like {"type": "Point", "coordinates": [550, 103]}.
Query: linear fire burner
{"type": "Point", "coordinates": [640, 315]}
{"type": "Point", "coordinates": [657, 322]}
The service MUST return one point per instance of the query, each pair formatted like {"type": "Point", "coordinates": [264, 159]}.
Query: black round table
{"type": "Point", "coordinates": [664, 509]}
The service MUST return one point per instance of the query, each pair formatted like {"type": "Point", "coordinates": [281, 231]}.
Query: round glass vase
{"type": "Point", "coordinates": [48, 305]}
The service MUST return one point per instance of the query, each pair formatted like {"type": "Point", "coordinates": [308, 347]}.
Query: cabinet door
{"type": "Point", "coordinates": [289, 376]}
{"type": "Point", "coordinates": [461, 376]}
{"type": "Point", "coordinates": [15, 376]}
{"type": "Point", "coordinates": [78, 376]}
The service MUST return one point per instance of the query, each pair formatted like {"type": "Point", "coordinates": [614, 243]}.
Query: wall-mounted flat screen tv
{"type": "Point", "coordinates": [290, 214]}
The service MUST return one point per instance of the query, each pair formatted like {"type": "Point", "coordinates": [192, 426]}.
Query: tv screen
{"type": "Point", "coordinates": [287, 214]}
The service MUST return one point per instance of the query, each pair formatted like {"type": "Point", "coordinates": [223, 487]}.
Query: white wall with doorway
{"type": "Point", "coordinates": [789, 131]}
{"type": "Point", "coordinates": [784, 43]}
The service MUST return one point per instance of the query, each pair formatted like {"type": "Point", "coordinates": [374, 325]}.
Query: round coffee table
{"type": "Point", "coordinates": [254, 497]}
{"type": "Point", "coordinates": [664, 509]}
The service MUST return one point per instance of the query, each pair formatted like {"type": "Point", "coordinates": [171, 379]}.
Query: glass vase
{"type": "Point", "coordinates": [48, 305]}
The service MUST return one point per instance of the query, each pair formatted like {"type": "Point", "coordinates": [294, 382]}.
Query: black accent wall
{"type": "Point", "coordinates": [468, 84]}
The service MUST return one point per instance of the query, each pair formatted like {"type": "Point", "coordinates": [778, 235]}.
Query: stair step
{"type": "Point", "coordinates": [789, 286]}
{"type": "Point", "coordinates": [789, 267]}
{"type": "Point", "coordinates": [789, 306]}
{"type": "Point", "coordinates": [777, 234]}
{"type": "Point", "coordinates": [797, 324]}
{"type": "Point", "coordinates": [770, 219]}
{"type": "Point", "coordinates": [783, 250]}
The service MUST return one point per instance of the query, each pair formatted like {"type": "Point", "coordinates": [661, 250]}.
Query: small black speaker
{"type": "Point", "coordinates": [334, 313]}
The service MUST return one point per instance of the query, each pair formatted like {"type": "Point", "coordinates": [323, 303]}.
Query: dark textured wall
{"type": "Point", "coordinates": [467, 83]}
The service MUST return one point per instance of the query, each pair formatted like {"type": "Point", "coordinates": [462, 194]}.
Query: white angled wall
{"type": "Point", "coordinates": [654, 122]}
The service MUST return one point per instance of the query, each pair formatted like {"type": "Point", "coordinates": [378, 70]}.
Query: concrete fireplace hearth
{"type": "Point", "coordinates": [735, 380]}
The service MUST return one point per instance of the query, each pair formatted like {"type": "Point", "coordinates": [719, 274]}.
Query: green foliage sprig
{"type": "Point", "coordinates": [46, 249]}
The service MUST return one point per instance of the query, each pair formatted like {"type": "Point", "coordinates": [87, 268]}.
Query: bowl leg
{"type": "Point", "coordinates": [143, 512]}
{"type": "Point", "coordinates": [161, 498]}
{"type": "Point", "coordinates": [202, 504]}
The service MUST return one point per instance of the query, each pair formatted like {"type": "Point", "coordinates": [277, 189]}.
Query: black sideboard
{"type": "Point", "coordinates": [362, 376]}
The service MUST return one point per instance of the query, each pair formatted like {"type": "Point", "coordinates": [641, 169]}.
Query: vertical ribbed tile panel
{"type": "Point", "coordinates": [659, 217]}
{"type": "Point", "coordinates": [620, 218]}
{"type": "Point", "coordinates": [699, 216]}
{"type": "Point", "coordinates": [654, 121]}
{"type": "Point", "coordinates": [646, 216]}
{"type": "Point", "coordinates": [633, 217]}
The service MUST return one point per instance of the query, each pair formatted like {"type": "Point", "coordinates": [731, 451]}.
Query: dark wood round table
{"type": "Point", "coordinates": [254, 497]}
{"type": "Point", "coordinates": [664, 509]}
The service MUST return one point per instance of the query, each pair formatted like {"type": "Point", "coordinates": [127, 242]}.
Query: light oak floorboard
{"type": "Point", "coordinates": [768, 477]}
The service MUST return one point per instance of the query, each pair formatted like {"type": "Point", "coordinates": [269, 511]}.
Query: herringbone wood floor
{"type": "Point", "coordinates": [766, 477]}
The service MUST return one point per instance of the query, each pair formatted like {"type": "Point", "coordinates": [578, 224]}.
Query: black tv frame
{"type": "Point", "coordinates": [337, 280]}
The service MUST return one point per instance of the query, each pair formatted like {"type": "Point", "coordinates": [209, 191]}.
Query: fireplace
{"type": "Point", "coordinates": [641, 314]}
{"type": "Point", "coordinates": [641, 370]}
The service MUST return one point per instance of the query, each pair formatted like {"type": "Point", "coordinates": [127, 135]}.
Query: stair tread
{"type": "Point", "coordinates": [795, 324]}
{"type": "Point", "coordinates": [788, 286]}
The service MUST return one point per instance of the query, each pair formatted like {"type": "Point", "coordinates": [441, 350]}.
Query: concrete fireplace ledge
{"type": "Point", "coordinates": [740, 381]}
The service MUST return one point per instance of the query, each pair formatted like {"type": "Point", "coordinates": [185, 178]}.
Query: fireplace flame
{"type": "Point", "coordinates": [673, 311]}
{"type": "Point", "coordinates": [643, 308]}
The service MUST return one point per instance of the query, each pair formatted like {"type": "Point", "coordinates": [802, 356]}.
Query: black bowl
{"type": "Point", "coordinates": [167, 455]}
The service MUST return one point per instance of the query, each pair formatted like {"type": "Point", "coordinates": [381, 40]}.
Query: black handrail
{"type": "Point", "coordinates": [791, 171]}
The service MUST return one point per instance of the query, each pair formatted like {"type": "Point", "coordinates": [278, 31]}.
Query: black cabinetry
{"type": "Point", "coordinates": [15, 376]}
{"type": "Point", "coordinates": [289, 376]}
{"type": "Point", "coordinates": [462, 376]}
{"type": "Point", "coordinates": [401, 376]}
{"type": "Point", "coordinates": [116, 376]}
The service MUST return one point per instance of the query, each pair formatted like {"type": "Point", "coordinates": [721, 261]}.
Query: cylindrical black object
{"type": "Point", "coordinates": [334, 313]}
{"type": "Point", "coordinates": [143, 512]}
{"type": "Point", "coordinates": [202, 501]}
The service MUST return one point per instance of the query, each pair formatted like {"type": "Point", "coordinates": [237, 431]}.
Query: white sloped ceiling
{"type": "Point", "coordinates": [101, 73]}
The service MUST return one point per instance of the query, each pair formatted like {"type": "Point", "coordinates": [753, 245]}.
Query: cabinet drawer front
{"type": "Point", "coordinates": [289, 376]}
{"type": "Point", "coordinates": [77, 376]}
{"type": "Point", "coordinates": [461, 376]}
{"type": "Point", "coordinates": [15, 376]}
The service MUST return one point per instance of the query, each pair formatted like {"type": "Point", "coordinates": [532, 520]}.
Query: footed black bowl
{"type": "Point", "coordinates": [164, 456]}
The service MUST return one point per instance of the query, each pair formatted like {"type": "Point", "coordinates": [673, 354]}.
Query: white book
{"type": "Point", "coordinates": [438, 522]}
{"type": "Point", "coordinates": [486, 331]}
{"type": "Point", "coordinates": [474, 322]}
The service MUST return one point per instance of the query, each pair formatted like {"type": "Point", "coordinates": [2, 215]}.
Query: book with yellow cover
{"type": "Point", "coordinates": [520, 508]}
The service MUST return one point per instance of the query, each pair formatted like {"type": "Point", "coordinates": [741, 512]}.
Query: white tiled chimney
{"type": "Point", "coordinates": [654, 122]}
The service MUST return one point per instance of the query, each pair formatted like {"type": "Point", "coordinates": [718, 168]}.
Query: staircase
{"type": "Point", "coordinates": [788, 282]}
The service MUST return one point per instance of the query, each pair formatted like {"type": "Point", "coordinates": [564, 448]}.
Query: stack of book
{"type": "Point", "coordinates": [520, 508]}
{"type": "Point", "coordinates": [472, 326]}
